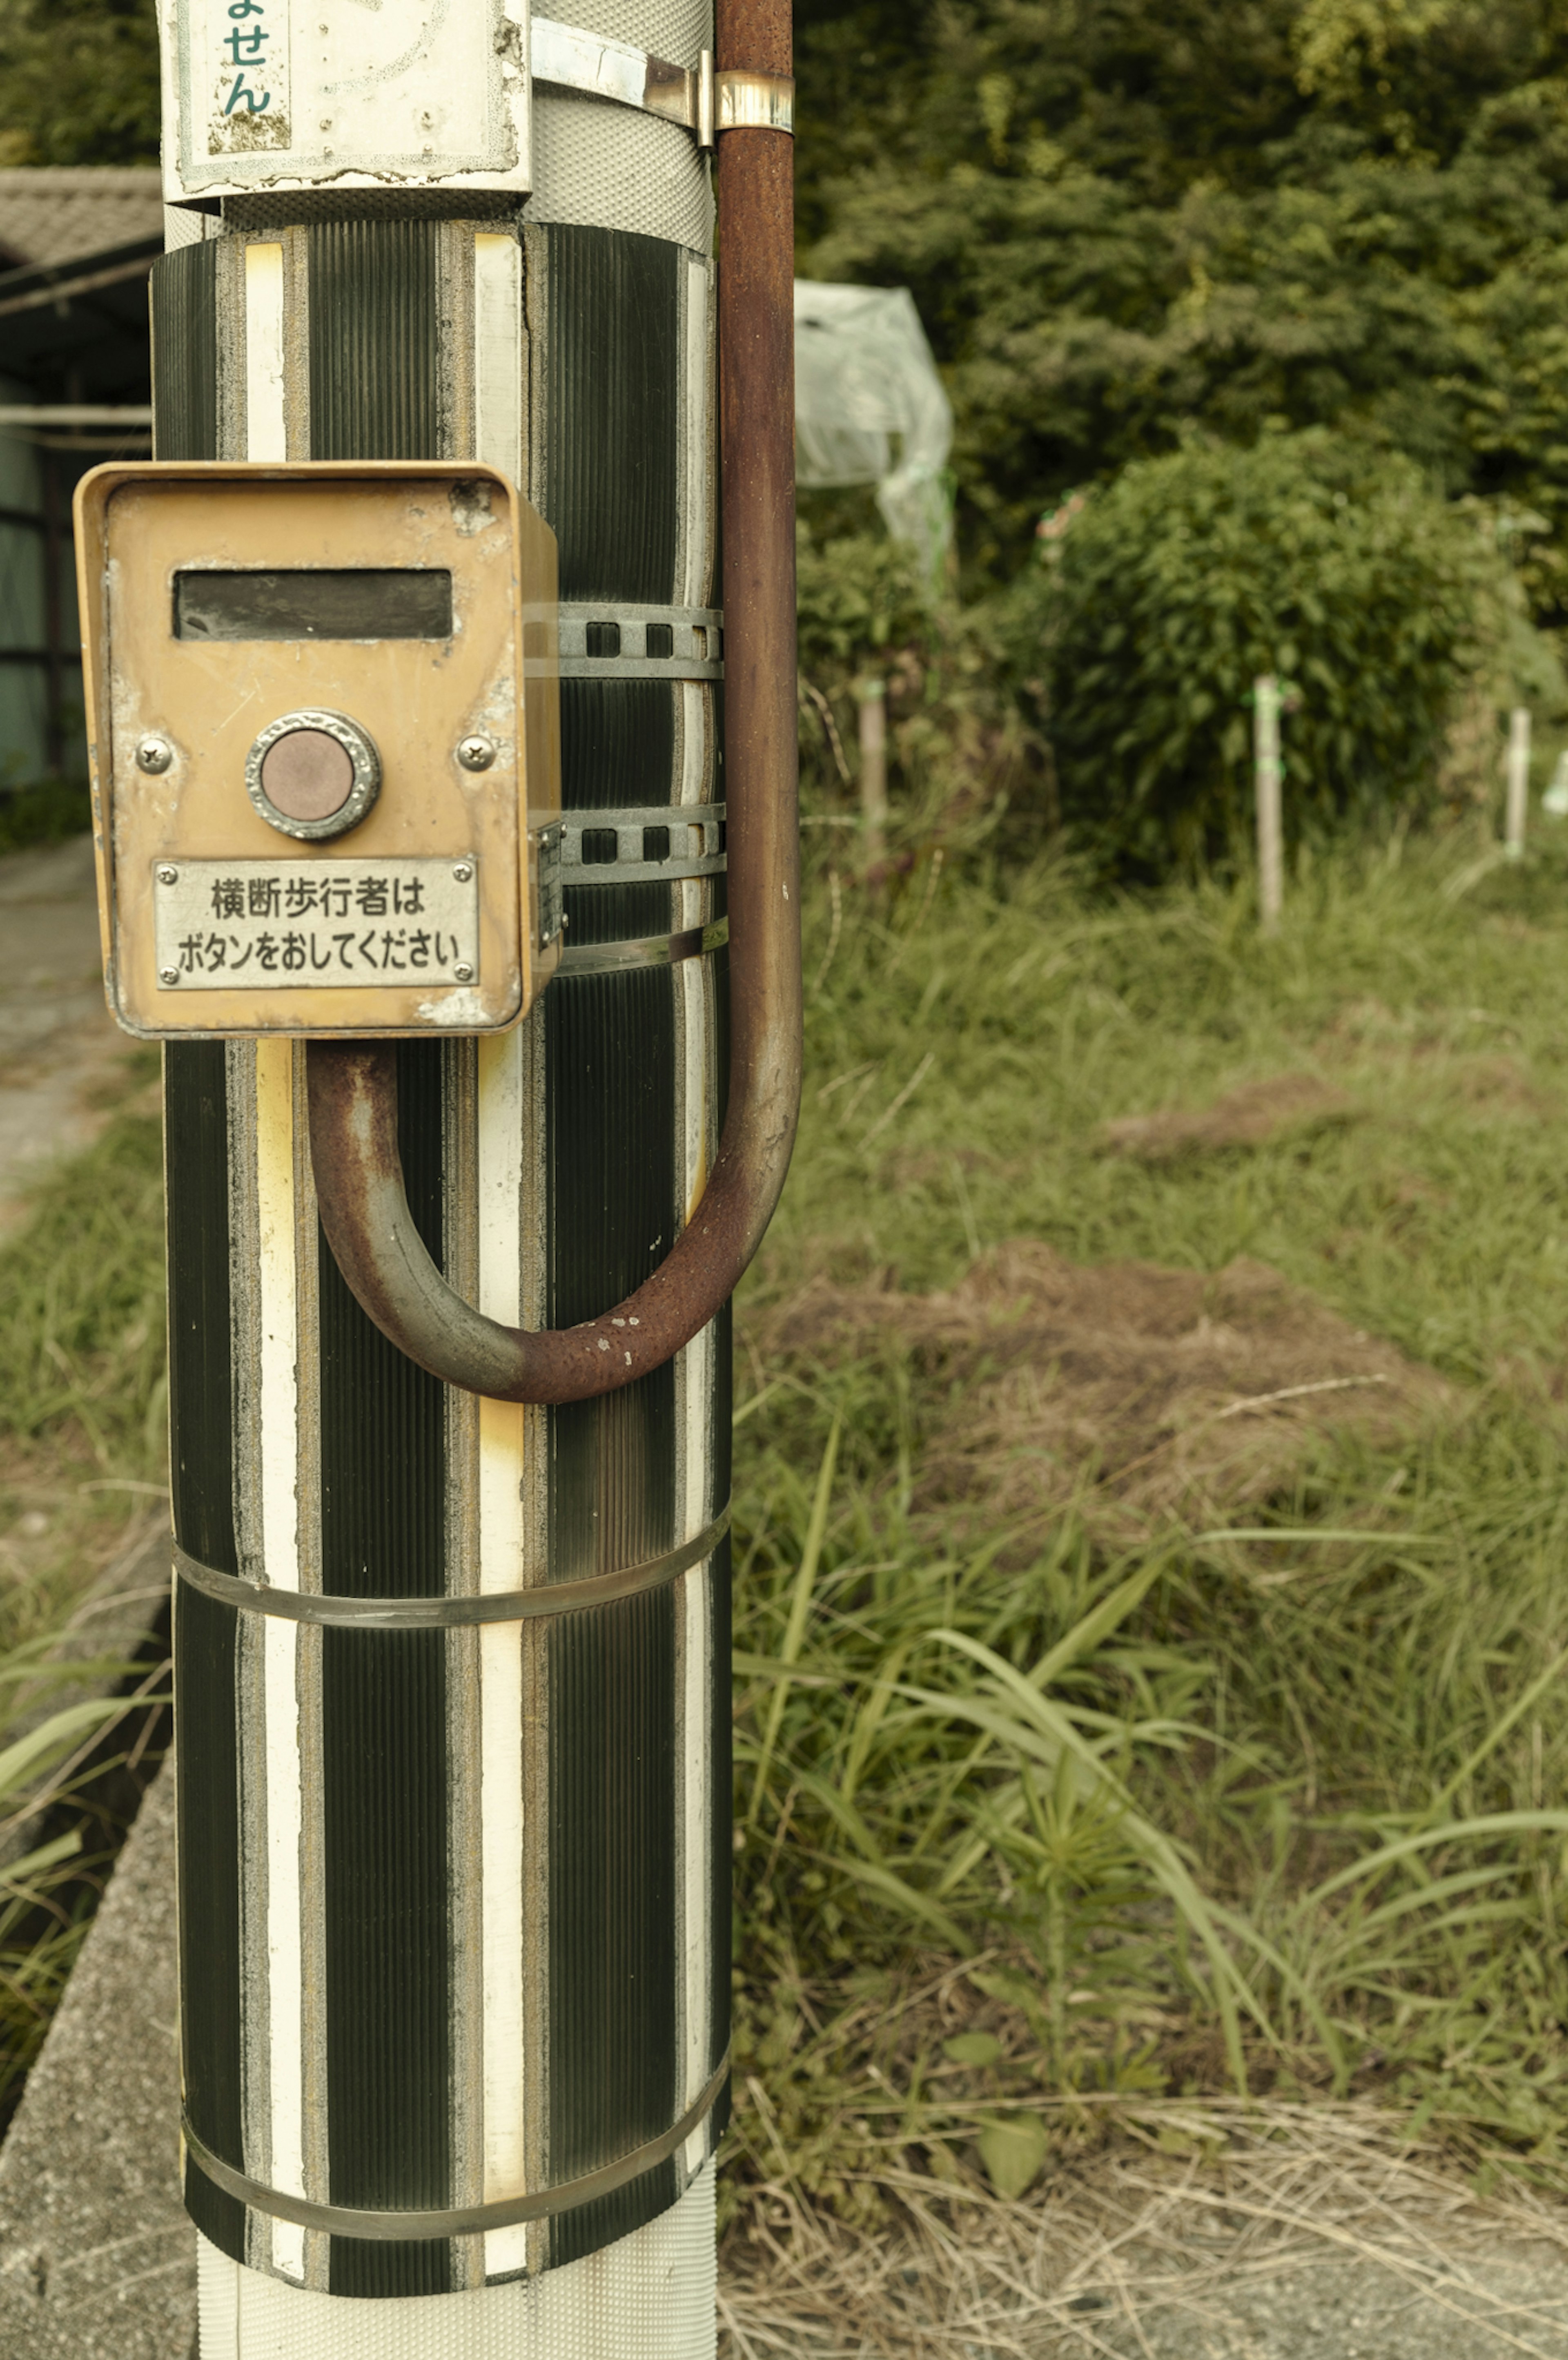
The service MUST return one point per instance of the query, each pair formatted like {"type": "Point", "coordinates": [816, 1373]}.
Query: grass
{"type": "Point", "coordinates": [82, 1451]}
{"type": "Point", "coordinates": [83, 1393]}
{"type": "Point", "coordinates": [1046, 1846]}
{"type": "Point", "coordinates": [1038, 1839]}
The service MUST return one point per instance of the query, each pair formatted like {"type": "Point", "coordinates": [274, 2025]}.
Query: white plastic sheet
{"type": "Point", "coordinates": [649, 2296]}
{"type": "Point", "coordinates": [869, 406]}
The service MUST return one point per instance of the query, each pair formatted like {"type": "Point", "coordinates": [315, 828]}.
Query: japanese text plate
{"type": "Point", "coordinates": [224, 926]}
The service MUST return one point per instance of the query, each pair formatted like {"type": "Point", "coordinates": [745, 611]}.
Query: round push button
{"type": "Point", "coordinates": [307, 775]}
{"type": "Point", "coordinates": [313, 774]}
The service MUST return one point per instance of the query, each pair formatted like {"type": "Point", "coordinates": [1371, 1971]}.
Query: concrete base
{"type": "Point", "coordinates": [97, 2257]}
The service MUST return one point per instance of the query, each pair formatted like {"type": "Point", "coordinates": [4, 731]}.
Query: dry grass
{"type": "Point", "coordinates": [1193, 2207]}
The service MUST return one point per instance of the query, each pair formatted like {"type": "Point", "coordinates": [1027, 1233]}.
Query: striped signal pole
{"type": "Point", "coordinates": [452, 1646]}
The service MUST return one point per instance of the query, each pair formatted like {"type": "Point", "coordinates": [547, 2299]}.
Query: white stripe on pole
{"type": "Point", "coordinates": [696, 1137]}
{"type": "Point", "coordinates": [1270, 847]}
{"type": "Point", "coordinates": [498, 352]}
{"type": "Point", "coordinates": [697, 431]}
{"type": "Point", "coordinates": [266, 433]}
{"type": "Point", "coordinates": [280, 1551]}
{"type": "Point", "coordinates": [266, 437]}
{"type": "Point", "coordinates": [503, 1119]}
{"type": "Point", "coordinates": [504, 1116]}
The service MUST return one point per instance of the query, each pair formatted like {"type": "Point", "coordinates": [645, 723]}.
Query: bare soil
{"type": "Point", "coordinates": [1249, 1117]}
{"type": "Point", "coordinates": [1138, 1392]}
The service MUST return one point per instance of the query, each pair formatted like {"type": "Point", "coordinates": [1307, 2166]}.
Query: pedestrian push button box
{"type": "Point", "coordinates": [326, 781]}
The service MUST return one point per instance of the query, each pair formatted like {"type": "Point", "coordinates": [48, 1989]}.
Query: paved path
{"type": "Point", "coordinates": [1350, 2308]}
{"type": "Point", "coordinates": [97, 2259]}
{"type": "Point", "coordinates": [63, 1062]}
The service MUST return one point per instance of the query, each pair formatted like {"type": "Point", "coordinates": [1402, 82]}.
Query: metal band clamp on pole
{"type": "Point", "coordinates": [503, 2212]}
{"type": "Point", "coordinates": [649, 950]}
{"type": "Point", "coordinates": [352, 1085]}
{"type": "Point", "coordinates": [450, 1613]}
{"type": "Point", "coordinates": [699, 100]}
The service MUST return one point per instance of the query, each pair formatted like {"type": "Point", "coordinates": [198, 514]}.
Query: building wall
{"type": "Point", "coordinates": [29, 749]}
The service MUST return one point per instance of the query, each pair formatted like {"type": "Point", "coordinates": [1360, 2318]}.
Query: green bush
{"type": "Point", "coordinates": [858, 598]}
{"type": "Point", "coordinates": [1161, 597]}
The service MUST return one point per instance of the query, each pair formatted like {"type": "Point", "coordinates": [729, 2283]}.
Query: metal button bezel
{"type": "Point", "coordinates": [356, 743]}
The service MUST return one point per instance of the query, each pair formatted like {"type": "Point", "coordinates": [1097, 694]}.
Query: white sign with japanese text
{"type": "Point", "coordinates": [281, 924]}
{"type": "Point", "coordinates": [309, 93]}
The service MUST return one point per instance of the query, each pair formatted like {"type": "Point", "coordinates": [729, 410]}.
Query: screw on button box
{"type": "Point", "coordinates": [322, 782]}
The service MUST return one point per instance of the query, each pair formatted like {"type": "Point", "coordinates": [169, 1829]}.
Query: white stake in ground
{"type": "Point", "coordinates": [1266, 753]}
{"type": "Point", "coordinates": [1518, 775]}
{"type": "Point", "coordinates": [871, 697]}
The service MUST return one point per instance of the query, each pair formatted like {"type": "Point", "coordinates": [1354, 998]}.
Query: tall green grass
{"type": "Point", "coordinates": [84, 1388]}
{"type": "Point", "coordinates": [1287, 1814]}
{"type": "Point", "coordinates": [82, 1449]}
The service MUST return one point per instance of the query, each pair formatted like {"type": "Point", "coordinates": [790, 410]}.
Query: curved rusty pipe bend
{"type": "Point", "coordinates": [353, 1085]}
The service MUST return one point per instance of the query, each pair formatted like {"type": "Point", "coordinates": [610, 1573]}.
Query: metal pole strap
{"type": "Point", "coordinates": [450, 1613]}
{"type": "Point", "coordinates": [467, 2220]}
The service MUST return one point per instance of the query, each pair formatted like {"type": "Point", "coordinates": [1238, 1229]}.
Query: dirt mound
{"type": "Point", "coordinates": [1500, 1086]}
{"type": "Point", "coordinates": [1142, 1391]}
{"type": "Point", "coordinates": [1249, 1117]}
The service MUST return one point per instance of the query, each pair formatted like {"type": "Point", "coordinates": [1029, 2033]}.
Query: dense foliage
{"type": "Point", "coordinates": [1164, 596]}
{"type": "Point", "coordinates": [77, 81]}
{"type": "Point", "coordinates": [1118, 219]}
{"type": "Point", "coordinates": [1126, 226]}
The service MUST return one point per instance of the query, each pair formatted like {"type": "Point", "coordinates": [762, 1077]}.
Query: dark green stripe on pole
{"type": "Point", "coordinates": [612, 402]}
{"type": "Point", "coordinates": [612, 1896]}
{"type": "Point", "coordinates": [206, 1734]}
{"type": "Point", "coordinates": [185, 352]}
{"type": "Point", "coordinates": [375, 365]}
{"type": "Point", "coordinates": [201, 1378]}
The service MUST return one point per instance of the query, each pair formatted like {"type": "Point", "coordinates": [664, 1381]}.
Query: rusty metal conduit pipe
{"type": "Point", "coordinates": [353, 1085]}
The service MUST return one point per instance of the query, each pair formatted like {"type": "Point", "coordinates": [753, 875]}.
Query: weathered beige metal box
{"type": "Point", "coordinates": [325, 794]}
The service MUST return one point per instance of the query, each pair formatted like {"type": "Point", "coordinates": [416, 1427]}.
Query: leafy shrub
{"type": "Point", "coordinates": [77, 81]}
{"type": "Point", "coordinates": [857, 597]}
{"type": "Point", "coordinates": [1161, 597]}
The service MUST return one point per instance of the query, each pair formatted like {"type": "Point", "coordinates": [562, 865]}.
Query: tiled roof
{"type": "Point", "coordinates": [52, 213]}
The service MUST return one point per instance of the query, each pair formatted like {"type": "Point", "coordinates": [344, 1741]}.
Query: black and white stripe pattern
{"type": "Point", "coordinates": [454, 1901]}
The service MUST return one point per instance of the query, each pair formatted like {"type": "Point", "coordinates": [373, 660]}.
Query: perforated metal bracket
{"type": "Point", "coordinates": [702, 101]}
{"type": "Point", "coordinates": [661, 843]}
{"type": "Point", "coordinates": [607, 641]}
